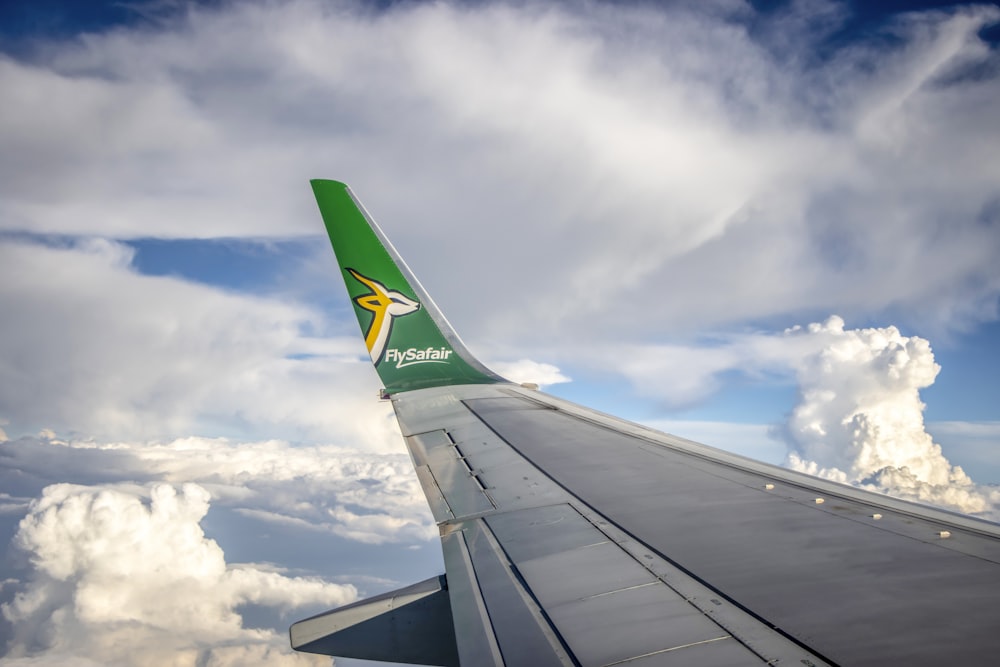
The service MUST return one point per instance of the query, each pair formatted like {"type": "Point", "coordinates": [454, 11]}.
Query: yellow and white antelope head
{"type": "Point", "coordinates": [386, 305]}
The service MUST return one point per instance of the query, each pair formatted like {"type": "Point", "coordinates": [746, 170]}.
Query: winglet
{"type": "Point", "coordinates": [411, 343]}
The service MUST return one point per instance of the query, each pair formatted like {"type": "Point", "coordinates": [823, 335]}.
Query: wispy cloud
{"type": "Point", "coordinates": [728, 177]}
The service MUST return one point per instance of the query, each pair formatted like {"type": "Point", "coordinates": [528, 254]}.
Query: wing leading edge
{"type": "Point", "coordinates": [571, 537]}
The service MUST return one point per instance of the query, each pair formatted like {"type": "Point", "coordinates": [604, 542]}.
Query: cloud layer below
{"type": "Point", "coordinates": [126, 576]}
{"type": "Point", "coordinates": [122, 573]}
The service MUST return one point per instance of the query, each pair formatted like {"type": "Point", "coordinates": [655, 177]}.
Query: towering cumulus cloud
{"type": "Point", "coordinates": [125, 576]}
{"type": "Point", "coordinates": [860, 418]}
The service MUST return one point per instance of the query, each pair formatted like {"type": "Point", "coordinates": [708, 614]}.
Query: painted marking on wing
{"type": "Point", "coordinates": [385, 305]}
{"type": "Point", "coordinates": [411, 356]}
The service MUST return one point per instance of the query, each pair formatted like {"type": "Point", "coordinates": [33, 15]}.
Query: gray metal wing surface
{"type": "Point", "coordinates": [571, 537]}
{"type": "Point", "coordinates": [574, 538]}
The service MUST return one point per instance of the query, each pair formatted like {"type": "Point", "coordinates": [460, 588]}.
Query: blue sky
{"type": "Point", "coordinates": [735, 221]}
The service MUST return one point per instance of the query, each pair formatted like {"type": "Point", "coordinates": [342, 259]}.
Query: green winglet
{"type": "Point", "coordinates": [411, 343]}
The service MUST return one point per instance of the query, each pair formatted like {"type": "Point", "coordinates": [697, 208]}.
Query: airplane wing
{"type": "Point", "coordinates": [571, 537]}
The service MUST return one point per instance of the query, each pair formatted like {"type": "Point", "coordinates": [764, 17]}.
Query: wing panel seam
{"type": "Point", "coordinates": [668, 650]}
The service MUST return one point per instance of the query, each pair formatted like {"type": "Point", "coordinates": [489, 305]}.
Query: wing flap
{"type": "Point", "coordinates": [461, 488]}
{"type": "Point", "coordinates": [522, 633]}
{"type": "Point", "coordinates": [617, 597]}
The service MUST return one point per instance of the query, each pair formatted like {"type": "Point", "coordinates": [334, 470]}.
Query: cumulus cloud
{"type": "Point", "coordinates": [126, 576]}
{"type": "Point", "coordinates": [860, 418]}
{"type": "Point", "coordinates": [115, 565]}
{"type": "Point", "coordinates": [112, 563]}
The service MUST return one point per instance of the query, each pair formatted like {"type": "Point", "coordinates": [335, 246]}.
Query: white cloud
{"type": "Point", "coordinates": [860, 418]}
{"type": "Point", "coordinates": [375, 528]}
{"type": "Point", "coordinates": [127, 577]}
{"type": "Point", "coordinates": [684, 373]}
{"type": "Point", "coordinates": [116, 568]}
{"type": "Point", "coordinates": [720, 180]}
{"type": "Point", "coordinates": [527, 370]}
{"type": "Point", "coordinates": [99, 349]}
{"type": "Point", "coordinates": [368, 496]}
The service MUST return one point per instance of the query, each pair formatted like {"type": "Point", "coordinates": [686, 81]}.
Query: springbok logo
{"type": "Point", "coordinates": [385, 305]}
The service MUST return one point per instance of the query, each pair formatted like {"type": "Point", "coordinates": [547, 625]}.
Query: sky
{"type": "Point", "coordinates": [772, 227]}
